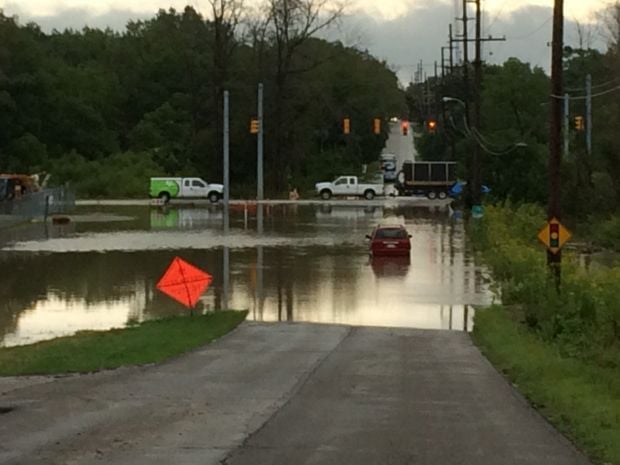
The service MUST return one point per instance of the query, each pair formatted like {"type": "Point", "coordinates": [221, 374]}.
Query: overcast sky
{"type": "Point", "coordinates": [399, 31]}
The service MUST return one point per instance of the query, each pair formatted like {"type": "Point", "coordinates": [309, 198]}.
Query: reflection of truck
{"type": "Point", "coordinates": [388, 165]}
{"type": "Point", "coordinates": [180, 188]}
{"type": "Point", "coordinates": [431, 178]}
{"type": "Point", "coordinates": [348, 186]}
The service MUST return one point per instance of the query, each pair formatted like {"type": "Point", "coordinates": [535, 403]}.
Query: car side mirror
{"type": "Point", "coordinates": [368, 236]}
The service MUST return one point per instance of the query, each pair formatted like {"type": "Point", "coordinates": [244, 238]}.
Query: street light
{"type": "Point", "coordinates": [453, 99]}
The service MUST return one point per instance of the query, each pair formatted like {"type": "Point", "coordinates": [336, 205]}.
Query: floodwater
{"type": "Point", "coordinates": [282, 263]}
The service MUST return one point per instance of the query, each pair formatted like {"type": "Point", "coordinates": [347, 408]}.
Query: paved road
{"type": "Point", "coordinates": [287, 394]}
{"type": "Point", "coordinates": [402, 146]}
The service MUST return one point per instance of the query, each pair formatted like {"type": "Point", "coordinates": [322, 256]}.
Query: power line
{"type": "Point", "coordinates": [584, 97]}
{"type": "Point", "coordinates": [533, 32]}
{"type": "Point", "coordinates": [598, 86]}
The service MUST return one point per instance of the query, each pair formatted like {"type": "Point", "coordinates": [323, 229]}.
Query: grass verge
{"type": "Point", "coordinates": [582, 400]}
{"type": "Point", "coordinates": [86, 351]}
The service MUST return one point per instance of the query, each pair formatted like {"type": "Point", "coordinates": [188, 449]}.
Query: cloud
{"type": "Point", "coordinates": [402, 42]}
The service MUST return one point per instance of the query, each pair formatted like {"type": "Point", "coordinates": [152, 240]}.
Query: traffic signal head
{"type": "Point", "coordinates": [376, 127]}
{"type": "Point", "coordinates": [432, 126]}
{"type": "Point", "coordinates": [579, 124]}
{"type": "Point", "coordinates": [405, 127]}
{"type": "Point", "coordinates": [254, 126]}
{"type": "Point", "coordinates": [554, 235]}
{"type": "Point", "coordinates": [346, 125]}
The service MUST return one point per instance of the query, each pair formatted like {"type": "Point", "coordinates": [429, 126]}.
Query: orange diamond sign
{"type": "Point", "coordinates": [184, 282]}
{"type": "Point", "coordinates": [554, 235]}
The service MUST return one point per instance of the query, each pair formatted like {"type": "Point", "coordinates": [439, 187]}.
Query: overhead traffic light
{"type": "Point", "coordinates": [376, 126]}
{"type": "Point", "coordinates": [579, 123]}
{"type": "Point", "coordinates": [405, 127]}
{"type": "Point", "coordinates": [254, 126]}
{"type": "Point", "coordinates": [346, 125]}
{"type": "Point", "coordinates": [431, 124]}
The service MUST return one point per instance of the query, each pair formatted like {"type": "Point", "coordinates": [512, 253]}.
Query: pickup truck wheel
{"type": "Point", "coordinates": [326, 194]}
{"type": "Point", "coordinates": [164, 196]}
{"type": "Point", "coordinates": [442, 195]}
{"type": "Point", "coordinates": [432, 195]}
{"type": "Point", "coordinates": [369, 195]}
{"type": "Point", "coordinates": [214, 197]}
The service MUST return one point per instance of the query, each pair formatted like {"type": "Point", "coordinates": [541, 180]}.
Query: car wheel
{"type": "Point", "coordinates": [443, 195]}
{"type": "Point", "coordinates": [214, 197]}
{"type": "Point", "coordinates": [164, 196]}
{"type": "Point", "coordinates": [326, 194]}
{"type": "Point", "coordinates": [369, 195]}
{"type": "Point", "coordinates": [432, 195]}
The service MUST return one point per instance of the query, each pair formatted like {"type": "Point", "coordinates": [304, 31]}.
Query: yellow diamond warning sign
{"type": "Point", "coordinates": [554, 235]}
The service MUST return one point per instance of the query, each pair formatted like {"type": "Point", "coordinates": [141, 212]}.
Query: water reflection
{"type": "Point", "coordinates": [302, 264]}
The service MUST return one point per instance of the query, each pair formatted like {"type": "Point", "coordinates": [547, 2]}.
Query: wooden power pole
{"type": "Point", "coordinates": [555, 128]}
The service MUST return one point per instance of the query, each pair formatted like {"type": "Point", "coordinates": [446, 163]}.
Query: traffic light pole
{"type": "Point", "coordinates": [226, 151]}
{"type": "Point", "coordinates": [259, 146]}
{"type": "Point", "coordinates": [554, 261]}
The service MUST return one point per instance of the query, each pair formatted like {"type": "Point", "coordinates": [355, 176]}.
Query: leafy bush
{"type": "Point", "coordinates": [582, 317]}
{"type": "Point", "coordinates": [121, 175]}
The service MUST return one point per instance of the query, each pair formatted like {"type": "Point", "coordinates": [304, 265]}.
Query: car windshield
{"type": "Point", "coordinates": [392, 233]}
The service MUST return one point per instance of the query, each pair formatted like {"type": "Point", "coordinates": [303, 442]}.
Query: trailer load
{"type": "Point", "coordinates": [431, 178]}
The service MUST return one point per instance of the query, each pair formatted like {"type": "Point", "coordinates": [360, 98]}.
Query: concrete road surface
{"type": "Point", "coordinates": [287, 394]}
{"type": "Point", "coordinates": [402, 146]}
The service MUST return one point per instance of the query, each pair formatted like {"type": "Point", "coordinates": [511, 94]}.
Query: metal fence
{"type": "Point", "coordinates": [36, 205]}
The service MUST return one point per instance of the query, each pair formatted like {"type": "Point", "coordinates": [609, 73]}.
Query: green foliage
{"type": "Point", "coordinates": [581, 399]}
{"type": "Point", "coordinates": [149, 342]}
{"type": "Point", "coordinates": [157, 88]}
{"type": "Point", "coordinates": [120, 175]}
{"type": "Point", "coordinates": [583, 318]}
{"type": "Point", "coordinates": [607, 233]}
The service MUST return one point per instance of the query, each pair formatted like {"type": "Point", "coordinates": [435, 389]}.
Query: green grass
{"type": "Point", "coordinates": [581, 399]}
{"type": "Point", "coordinates": [152, 341]}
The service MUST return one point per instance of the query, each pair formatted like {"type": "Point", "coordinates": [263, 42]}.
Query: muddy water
{"type": "Point", "coordinates": [295, 263]}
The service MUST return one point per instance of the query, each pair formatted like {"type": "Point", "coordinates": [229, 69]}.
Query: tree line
{"type": "Point", "coordinates": [104, 110]}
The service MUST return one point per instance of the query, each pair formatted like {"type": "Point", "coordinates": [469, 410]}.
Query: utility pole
{"type": "Point", "coordinates": [226, 152]}
{"type": "Point", "coordinates": [589, 115]}
{"type": "Point", "coordinates": [476, 162]}
{"type": "Point", "coordinates": [566, 126]}
{"type": "Point", "coordinates": [443, 62]}
{"type": "Point", "coordinates": [451, 48]}
{"type": "Point", "coordinates": [259, 146]}
{"type": "Point", "coordinates": [554, 261]}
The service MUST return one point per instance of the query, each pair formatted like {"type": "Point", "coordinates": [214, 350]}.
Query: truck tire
{"type": "Point", "coordinates": [326, 194]}
{"type": "Point", "coordinates": [442, 195]}
{"type": "Point", "coordinates": [369, 194]}
{"type": "Point", "coordinates": [213, 197]}
{"type": "Point", "coordinates": [164, 196]}
{"type": "Point", "coordinates": [431, 195]}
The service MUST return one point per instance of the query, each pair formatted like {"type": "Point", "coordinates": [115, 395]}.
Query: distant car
{"type": "Point", "coordinates": [389, 240]}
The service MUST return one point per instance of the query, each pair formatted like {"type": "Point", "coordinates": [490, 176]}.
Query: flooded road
{"type": "Point", "coordinates": [296, 263]}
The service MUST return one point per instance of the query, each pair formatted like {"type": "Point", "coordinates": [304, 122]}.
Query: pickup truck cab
{"type": "Point", "coordinates": [179, 188]}
{"type": "Point", "coordinates": [348, 186]}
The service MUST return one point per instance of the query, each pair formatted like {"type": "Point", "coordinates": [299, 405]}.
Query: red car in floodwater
{"type": "Point", "coordinates": [389, 240]}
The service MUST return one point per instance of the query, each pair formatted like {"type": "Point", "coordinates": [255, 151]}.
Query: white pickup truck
{"type": "Point", "coordinates": [179, 188]}
{"type": "Point", "coordinates": [348, 186]}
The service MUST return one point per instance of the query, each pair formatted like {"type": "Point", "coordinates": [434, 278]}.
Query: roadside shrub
{"type": "Point", "coordinates": [582, 317]}
{"type": "Point", "coordinates": [121, 175]}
